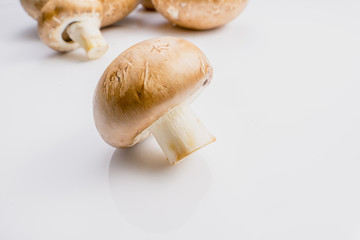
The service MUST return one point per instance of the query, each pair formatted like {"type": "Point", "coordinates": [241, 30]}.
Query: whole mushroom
{"type": "Point", "coordinates": [64, 25]}
{"type": "Point", "coordinates": [137, 96]}
{"type": "Point", "coordinates": [148, 5]}
{"type": "Point", "coordinates": [200, 14]}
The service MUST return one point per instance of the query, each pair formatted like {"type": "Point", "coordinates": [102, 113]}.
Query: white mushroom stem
{"type": "Point", "coordinates": [180, 133]}
{"type": "Point", "coordinates": [88, 35]}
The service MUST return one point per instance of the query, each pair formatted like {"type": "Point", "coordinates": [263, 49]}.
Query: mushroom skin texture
{"type": "Point", "coordinates": [33, 7]}
{"type": "Point", "coordinates": [200, 14]}
{"type": "Point", "coordinates": [148, 5]}
{"type": "Point", "coordinates": [138, 96]}
{"type": "Point", "coordinates": [115, 10]}
{"type": "Point", "coordinates": [64, 25]}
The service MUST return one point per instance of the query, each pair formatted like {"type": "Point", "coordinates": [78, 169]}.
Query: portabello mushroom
{"type": "Point", "coordinates": [148, 90]}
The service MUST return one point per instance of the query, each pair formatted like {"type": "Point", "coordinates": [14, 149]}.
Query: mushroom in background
{"type": "Point", "coordinates": [64, 25]}
{"type": "Point", "coordinates": [148, 5]}
{"type": "Point", "coordinates": [200, 14]}
{"type": "Point", "coordinates": [137, 96]}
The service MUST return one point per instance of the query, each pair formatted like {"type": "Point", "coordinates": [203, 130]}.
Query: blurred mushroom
{"type": "Point", "coordinates": [64, 25]}
{"type": "Point", "coordinates": [148, 5]}
{"type": "Point", "coordinates": [200, 14]}
{"type": "Point", "coordinates": [148, 89]}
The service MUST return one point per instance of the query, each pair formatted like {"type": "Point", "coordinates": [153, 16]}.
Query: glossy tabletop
{"type": "Point", "coordinates": [284, 105]}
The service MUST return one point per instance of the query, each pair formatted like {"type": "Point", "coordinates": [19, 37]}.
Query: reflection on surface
{"type": "Point", "coordinates": [153, 195]}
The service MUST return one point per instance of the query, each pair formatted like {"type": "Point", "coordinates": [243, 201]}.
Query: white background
{"type": "Point", "coordinates": [284, 105]}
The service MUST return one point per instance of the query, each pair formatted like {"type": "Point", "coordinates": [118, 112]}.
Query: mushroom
{"type": "Point", "coordinates": [148, 5]}
{"type": "Point", "coordinates": [148, 90]}
{"type": "Point", "coordinates": [64, 25]}
{"type": "Point", "coordinates": [200, 14]}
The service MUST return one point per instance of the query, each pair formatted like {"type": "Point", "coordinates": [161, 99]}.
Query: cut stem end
{"type": "Point", "coordinates": [88, 35]}
{"type": "Point", "coordinates": [180, 133]}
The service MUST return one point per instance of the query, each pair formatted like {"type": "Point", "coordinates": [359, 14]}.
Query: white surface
{"type": "Point", "coordinates": [284, 105]}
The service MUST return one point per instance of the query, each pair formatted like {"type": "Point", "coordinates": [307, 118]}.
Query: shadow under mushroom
{"type": "Point", "coordinates": [153, 195]}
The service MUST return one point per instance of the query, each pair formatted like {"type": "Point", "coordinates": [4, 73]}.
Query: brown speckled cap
{"type": "Point", "coordinates": [144, 83]}
{"type": "Point", "coordinates": [200, 14]}
{"type": "Point", "coordinates": [115, 10]}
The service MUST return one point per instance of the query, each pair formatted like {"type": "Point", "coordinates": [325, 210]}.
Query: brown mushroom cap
{"type": "Point", "coordinates": [115, 10]}
{"type": "Point", "coordinates": [144, 83]}
{"type": "Point", "coordinates": [200, 14]}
